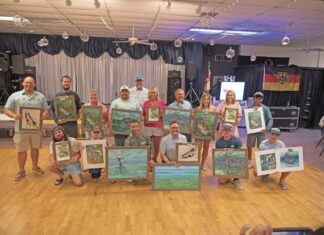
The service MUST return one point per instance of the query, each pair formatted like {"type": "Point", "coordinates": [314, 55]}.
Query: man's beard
{"type": "Point", "coordinates": [59, 139]}
{"type": "Point", "coordinates": [66, 88]}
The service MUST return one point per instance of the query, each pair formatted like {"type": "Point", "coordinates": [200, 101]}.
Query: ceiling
{"type": "Point", "coordinates": [301, 20]}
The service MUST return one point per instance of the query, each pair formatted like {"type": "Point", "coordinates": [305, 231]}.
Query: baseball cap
{"type": "Point", "coordinates": [258, 93]}
{"type": "Point", "coordinates": [56, 128]}
{"type": "Point", "coordinates": [227, 126]}
{"type": "Point", "coordinates": [124, 87]}
{"type": "Point", "coordinates": [138, 77]}
{"type": "Point", "coordinates": [275, 131]}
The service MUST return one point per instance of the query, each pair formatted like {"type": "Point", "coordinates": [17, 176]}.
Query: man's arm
{"type": "Point", "coordinates": [268, 117]}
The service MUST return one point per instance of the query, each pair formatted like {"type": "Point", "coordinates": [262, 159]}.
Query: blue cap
{"type": "Point", "coordinates": [139, 77]}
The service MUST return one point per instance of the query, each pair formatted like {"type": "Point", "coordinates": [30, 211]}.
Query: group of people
{"type": "Point", "coordinates": [137, 98]}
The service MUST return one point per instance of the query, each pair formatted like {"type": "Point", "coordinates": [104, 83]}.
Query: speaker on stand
{"type": "Point", "coordinates": [191, 75]}
{"type": "Point", "coordinates": [174, 82]}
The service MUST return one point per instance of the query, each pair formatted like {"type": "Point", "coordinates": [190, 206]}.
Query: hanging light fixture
{"type": "Point", "coordinates": [84, 37]}
{"type": "Point", "coordinates": [43, 42]}
{"type": "Point", "coordinates": [177, 42]}
{"type": "Point", "coordinates": [153, 46]}
{"type": "Point", "coordinates": [230, 53]}
{"type": "Point", "coordinates": [212, 42]}
{"type": "Point", "coordinates": [253, 57]}
{"type": "Point", "coordinates": [179, 59]}
{"type": "Point", "coordinates": [119, 51]}
{"type": "Point", "coordinates": [65, 35]}
{"type": "Point", "coordinates": [285, 40]}
{"type": "Point", "coordinates": [20, 21]}
{"type": "Point", "coordinates": [97, 4]}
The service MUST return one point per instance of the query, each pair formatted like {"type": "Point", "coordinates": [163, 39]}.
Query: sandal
{"type": "Point", "coordinates": [58, 181]}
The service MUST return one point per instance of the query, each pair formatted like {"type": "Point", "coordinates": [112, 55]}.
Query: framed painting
{"type": "Point", "coordinates": [182, 116]}
{"type": "Point", "coordinates": [64, 107]}
{"type": "Point", "coordinates": [290, 159]}
{"type": "Point", "coordinates": [153, 114]}
{"type": "Point", "coordinates": [188, 152]}
{"type": "Point", "coordinates": [91, 117]}
{"type": "Point", "coordinates": [31, 119]}
{"type": "Point", "coordinates": [230, 163]}
{"type": "Point", "coordinates": [93, 154]}
{"type": "Point", "coordinates": [230, 115]}
{"type": "Point", "coordinates": [204, 125]}
{"type": "Point", "coordinates": [254, 120]}
{"type": "Point", "coordinates": [176, 177]}
{"type": "Point", "coordinates": [62, 151]}
{"type": "Point", "coordinates": [125, 163]}
{"type": "Point", "coordinates": [121, 118]}
{"type": "Point", "coordinates": [266, 162]}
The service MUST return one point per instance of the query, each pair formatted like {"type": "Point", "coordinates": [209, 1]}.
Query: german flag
{"type": "Point", "coordinates": [281, 78]}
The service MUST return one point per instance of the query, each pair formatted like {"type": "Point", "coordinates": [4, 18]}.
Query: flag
{"type": "Point", "coordinates": [207, 81]}
{"type": "Point", "coordinates": [281, 78]}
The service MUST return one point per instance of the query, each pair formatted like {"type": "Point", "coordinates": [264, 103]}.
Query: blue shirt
{"type": "Point", "coordinates": [265, 145]}
{"type": "Point", "coordinates": [267, 116]}
{"type": "Point", "coordinates": [184, 105]}
{"type": "Point", "coordinates": [21, 99]}
{"type": "Point", "coordinates": [168, 145]}
{"type": "Point", "coordinates": [233, 142]}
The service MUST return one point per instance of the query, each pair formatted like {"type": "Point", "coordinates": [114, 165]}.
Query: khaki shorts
{"type": "Point", "coordinates": [153, 131]}
{"type": "Point", "coordinates": [23, 139]}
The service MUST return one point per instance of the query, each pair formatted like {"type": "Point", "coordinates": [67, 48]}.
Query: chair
{"type": "Point", "coordinates": [319, 142]}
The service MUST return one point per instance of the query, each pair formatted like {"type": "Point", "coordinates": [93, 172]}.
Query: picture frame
{"type": "Point", "coordinates": [230, 162]}
{"type": "Point", "coordinates": [279, 160]}
{"type": "Point", "coordinates": [182, 116]}
{"type": "Point", "coordinates": [93, 154]}
{"type": "Point", "coordinates": [91, 117]}
{"type": "Point", "coordinates": [62, 151]}
{"type": "Point", "coordinates": [230, 115]}
{"type": "Point", "coordinates": [127, 163]}
{"type": "Point", "coordinates": [64, 107]}
{"type": "Point", "coordinates": [204, 125]}
{"type": "Point", "coordinates": [31, 119]}
{"type": "Point", "coordinates": [187, 152]}
{"type": "Point", "coordinates": [176, 177]}
{"type": "Point", "coordinates": [153, 114]}
{"type": "Point", "coordinates": [254, 120]}
{"type": "Point", "coordinates": [121, 118]}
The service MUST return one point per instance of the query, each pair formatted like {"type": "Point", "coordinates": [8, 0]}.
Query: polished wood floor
{"type": "Point", "coordinates": [35, 206]}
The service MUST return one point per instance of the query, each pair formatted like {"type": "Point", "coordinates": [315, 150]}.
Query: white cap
{"type": "Point", "coordinates": [124, 87]}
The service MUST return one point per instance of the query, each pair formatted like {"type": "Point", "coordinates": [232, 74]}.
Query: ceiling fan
{"type": "Point", "coordinates": [134, 40]}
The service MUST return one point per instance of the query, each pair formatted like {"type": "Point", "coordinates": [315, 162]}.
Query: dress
{"type": "Point", "coordinates": [222, 106]}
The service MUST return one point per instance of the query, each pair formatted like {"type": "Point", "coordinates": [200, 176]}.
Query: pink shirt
{"type": "Point", "coordinates": [161, 105]}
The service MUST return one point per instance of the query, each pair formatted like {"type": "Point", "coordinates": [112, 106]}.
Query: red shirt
{"type": "Point", "coordinates": [161, 105]}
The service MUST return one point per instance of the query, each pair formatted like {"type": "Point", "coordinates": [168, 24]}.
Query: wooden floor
{"type": "Point", "coordinates": [35, 206]}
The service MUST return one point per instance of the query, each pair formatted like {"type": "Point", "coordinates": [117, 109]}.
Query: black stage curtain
{"type": "Point", "coordinates": [311, 85]}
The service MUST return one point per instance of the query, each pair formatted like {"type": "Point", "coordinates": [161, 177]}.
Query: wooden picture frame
{"type": "Point", "coordinates": [204, 125]}
{"type": "Point", "coordinates": [91, 117]}
{"type": "Point", "coordinates": [62, 151]}
{"type": "Point", "coordinates": [230, 162]}
{"type": "Point", "coordinates": [176, 177]}
{"type": "Point", "coordinates": [182, 116]}
{"type": "Point", "coordinates": [127, 163]}
{"type": "Point", "coordinates": [254, 120]}
{"type": "Point", "coordinates": [230, 115]}
{"type": "Point", "coordinates": [187, 152]}
{"type": "Point", "coordinates": [94, 154]}
{"type": "Point", "coordinates": [31, 119]}
{"type": "Point", "coordinates": [64, 107]}
{"type": "Point", "coordinates": [153, 114]}
{"type": "Point", "coordinates": [121, 118]}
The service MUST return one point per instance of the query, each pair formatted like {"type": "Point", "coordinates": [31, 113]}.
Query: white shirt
{"type": "Point", "coordinates": [140, 95]}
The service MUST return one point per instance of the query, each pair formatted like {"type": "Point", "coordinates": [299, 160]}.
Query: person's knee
{"type": "Point", "coordinates": [77, 179]}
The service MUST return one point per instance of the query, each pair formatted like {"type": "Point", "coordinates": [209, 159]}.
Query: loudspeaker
{"type": "Point", "coordinates": [191, 70]}
{"type": "Point", "coordinates": [18, 64]}
{"type": "Point", "coordinates": [174, 82]}
{"type": "Point", "coordinates": [4, 62]}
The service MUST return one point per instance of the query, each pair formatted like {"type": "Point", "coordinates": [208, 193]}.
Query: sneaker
{"type": "Point", "coordinates": [250, 164]}
{"type": "Point", "coordinates": [130, 181]}
{"type": "Point", "coordinates": [265, 178]}
{"type": "Point", "coordinates": [238, 184]}
{"type": "Point", "coordinates": [58, 181]}
{"type": "Point", "coordinates": [20, 175]}
{"type": "Point", "coordinates": [283, 185]}
{"type": "Point", "coordinates": [38, 171]}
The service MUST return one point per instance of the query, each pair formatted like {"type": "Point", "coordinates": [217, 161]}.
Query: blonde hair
{"type": "Point", "coordinates": [201, 106]}
{"type": "Point", "coordinates": [226, 99]}
{"type": "Point", "coordinates": [153, 89]}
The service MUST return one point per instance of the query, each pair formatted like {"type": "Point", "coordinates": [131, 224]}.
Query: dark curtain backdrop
{"type": "Point", "coordinates": [311, 85]}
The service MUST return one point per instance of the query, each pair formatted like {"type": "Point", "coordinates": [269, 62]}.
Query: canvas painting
{"type": "Point", "coordinates": [179, 177]}
{"type": "Point", "coordinates": [230, 115]}
{"type": "Point", "coordinates": [127, 163]}
{"type": "Point", "coordinates": [182, 116]}
{"type": "Point", "coordinates": [204, 125]}
{"type": "Point", "coordinates": [254, 119]}
{"type": "Point", "coordinates": [266, 162]}
{"type": "Point", "coordinates": [121, 119]}
{"type": "Point", "coordinates": [65, 108]}
{"type": "Point", "coordinates": [188, 152]}
{"type": "Point", "coordinates": [153, 114]}
{"type": "Point", "coordinates": [230, 163]}
{"type": "Point", "coordinates": [291, 159]}
{"type": "Point", "coordinates": [91, 117]}
{"type": "Point", "coordinates": [62, 151]}
{"type": "Point", "coordinates": [93, 154]}
{"type": "Point", "coordinates": [31, 119]}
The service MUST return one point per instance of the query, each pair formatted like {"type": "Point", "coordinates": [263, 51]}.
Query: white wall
{"type": "Point", "coordinates": [311, 59]}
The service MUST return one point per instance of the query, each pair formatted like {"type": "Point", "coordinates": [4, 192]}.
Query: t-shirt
{"type": "Point", "coordinates": [232, 142]}
{"type": "Point", "coordinates": [75, 147]}
{"type": "Point", "coordinates": [265, 145]}
{"type": "Point", "coordinates": [130, 104]}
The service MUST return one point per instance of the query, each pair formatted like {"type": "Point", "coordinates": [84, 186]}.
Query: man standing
{"type": "Point", "coordinates": [27, 97]}
{"type": "Point", "coordinates": [168, 143]}
{"type": "Point", "coordinates": [139, 92]}
{"type": "Point", "coordinates": [70, 127]}
{"type": "Point", "coordinates": [258, 137]}
{"type": "Point", "coordinates": [273, 142]}
{"type": "Point", "coordinates": [123, 102]}
{"type": "Point", "coordinates": [228, 140]}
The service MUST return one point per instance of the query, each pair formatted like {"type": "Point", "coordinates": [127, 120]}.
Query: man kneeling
{"type": "Point", "coordinates": [72, 166]}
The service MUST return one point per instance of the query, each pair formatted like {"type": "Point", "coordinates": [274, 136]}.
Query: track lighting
{"type": "Point", "coordinates": [65, 35]}
{"type": "Point", "coordinates": [285, 40]}
{"type": "Point", "coordinates": [68, 3]}
{"type": "Point", "coordinates": [177, 42]}
{"type": "Point", "coordinates": [230, 53]}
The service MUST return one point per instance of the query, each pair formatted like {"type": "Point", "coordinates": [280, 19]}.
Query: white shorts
{"type": "Point", "coordinates": [153, 131]}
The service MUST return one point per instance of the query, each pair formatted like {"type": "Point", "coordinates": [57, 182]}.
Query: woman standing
{"type": "Point", "coordinates": [230, 102]}
{"type": "Point", "coordinates": [204, 106]}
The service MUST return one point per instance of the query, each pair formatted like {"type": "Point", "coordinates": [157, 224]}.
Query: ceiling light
{"type": "Point", "coordinates": [252, 57]}
{"type": "Point", "coordinates": [179, 59]}
{"type": "Point", "coordinates": [206, 30]}
{"type": "Point", "coordinates": [6, 18]}
{"type": "Point", "coordinates": [119, 51]}
{"type": "Point", "coordinates": [212, 42]}
{"type": "Point", "coordinates": [68, 3]}
{"type": "Point", "coordinates": [177, 42]}
{"type": "Point", "coordinates": [230, 53]}
{"type": "Point", "coordinates": [285, 40]}
{"type": "Point", "coordinates": [153, 46]}
{"type": "Point", "coordinates": [225, 31]}
{"type": "Point", "coordinates": [97, 4]}
{"type": "Point", "coordinates": [84, 37]}
{"type": "Point", "coordinates": [65, 35]}
{"type": "Point", "coordinates": [43, 42]}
